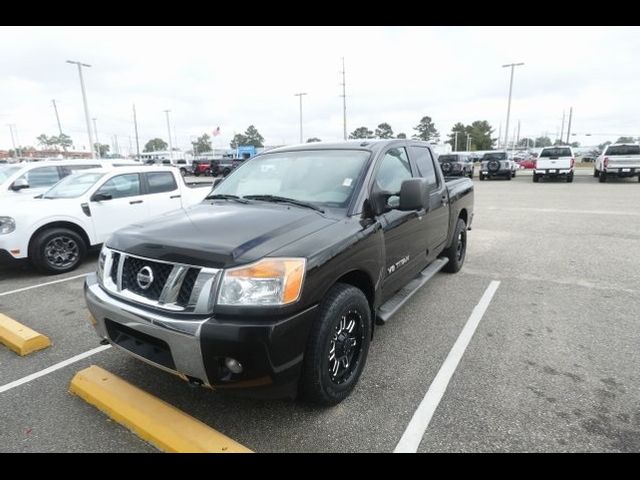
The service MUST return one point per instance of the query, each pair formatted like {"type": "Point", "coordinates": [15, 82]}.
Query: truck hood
{"type": "Point", "coordinates": [219, 234]}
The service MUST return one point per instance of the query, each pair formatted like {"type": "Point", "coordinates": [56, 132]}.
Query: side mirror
{"type": "Point", "coordinates": [217, 181]}
{"type": "Point", "coordinates": [414, 194]}
{"type": "Point", "coordinates": [100, 197]}
{"type": "Point", "coordinates": [19, 184]}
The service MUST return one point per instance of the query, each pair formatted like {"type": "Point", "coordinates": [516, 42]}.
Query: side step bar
{"type": "Point", "coordinates": [391, 306]}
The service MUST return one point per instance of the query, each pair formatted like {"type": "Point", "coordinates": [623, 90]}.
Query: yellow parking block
{"type": "Point", "coordinates": [152, 419]}
{"type": "Point", "coordinates": [19, 338]}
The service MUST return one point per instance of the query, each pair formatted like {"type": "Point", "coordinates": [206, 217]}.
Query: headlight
{"type": "Point", "coordinates": [7, 225]}
{"type": "Point", "coordinates": [101, 261]}
{"type": "Point", "coordinates": [271, 281]}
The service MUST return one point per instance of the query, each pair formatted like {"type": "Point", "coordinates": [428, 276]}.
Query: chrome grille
{"type": "Point", "coordinates": [174, 287]}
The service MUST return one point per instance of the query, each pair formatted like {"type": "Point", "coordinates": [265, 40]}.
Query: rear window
{"type": "Point", "coordinates": [624, 150]}
{"type": "Point", "coordinates": [448, 158]}
{"type": "Point", "coordinates": [495, 156]}
{"type": "Point", "coordinates": [556, 152]}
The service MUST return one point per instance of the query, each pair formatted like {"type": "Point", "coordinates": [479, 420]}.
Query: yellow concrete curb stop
{"type": "Point", "coordinates": [152, 419]}
{"type": "Point", "coordinates": [20, 338]}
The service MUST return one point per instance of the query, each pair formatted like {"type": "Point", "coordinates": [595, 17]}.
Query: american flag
{"type": "Point", "coordinates": [216, 132]}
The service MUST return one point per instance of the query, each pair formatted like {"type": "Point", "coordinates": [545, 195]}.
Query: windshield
{"type": "Point", "coordinates": [624, 150]}
{"type": "Point", "coordinates": [555, 152]}
{"type": "Point", "coordinates": [448, 158]}
{"type": "Point", "coordinates": [322, 177]}
{"type": "Point", "coordinates": [73, 186]}
{"type": "Point", "coordinates": [6, 172]}
{"type": "Point", "coordinates": [495, 156]}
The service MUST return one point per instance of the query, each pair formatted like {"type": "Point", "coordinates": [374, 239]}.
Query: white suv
{"type": "Point", "coordinates": [557, 161]}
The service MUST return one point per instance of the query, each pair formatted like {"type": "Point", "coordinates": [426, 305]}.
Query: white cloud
{"type": "Point", "coordinates": [234, 77]}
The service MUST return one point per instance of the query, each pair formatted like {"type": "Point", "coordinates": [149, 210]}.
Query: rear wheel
{"type": "Point", "coordinates": [226, 172]}
{"type": "Point", "coordinates": [602, 178]}
{"type": "Point", "coordinates": [509, 176]}
{"type": "Point", "coordinates": [570, 177]}
{"type": "Point", "coordinates": [536, 178]}
{"type": "Point", "coordinates": [337, 347]}
{"type": "Point", "coordinates": [457, 251]}
{"type": "Point", "coordinates": [481, 176]}
{"type": "Point", "coordinates": [57, 250]}
{"type": "Point", "coordinates": [595, 173]}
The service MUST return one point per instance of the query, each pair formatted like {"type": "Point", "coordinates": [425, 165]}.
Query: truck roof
{"type": "Point", "coordinates": [358, 144]}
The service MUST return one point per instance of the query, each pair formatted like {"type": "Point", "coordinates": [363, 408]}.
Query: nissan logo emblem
{"type": "Point", "coordinates": [144, 278]}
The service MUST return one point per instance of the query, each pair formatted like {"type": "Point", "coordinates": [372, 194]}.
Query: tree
{"type": "Point", "coordinates": [251, 137]}
{"type": "Point", "coordinates": [602, 146]}
{"type": "Point", "coordinates": [402, 135]}
{"type": "Point", "coordinates": [559, 142]}
{"type": "Point", "coordinates": [384, 131]}
{"type": "Point", "coordinates": [543, 142]}
{"type": "Point", "coordinates": [426, 130]}
{"type": "Point", "coordinates": [625, 140]}
{"type": "Point", "coordinates": [361, 132]}
{"type": "Point", "coordinates": [575, 144]}
{"type": "Point", "coordinates": [525, 142]}
{"type": "Point", "coordinates": [63, 140]}
{"type": "Point", "coordinates": [480, 132]}
{"type": "Point", "coordinates": [462, 133]}
{"type": "Point", "coordinates": [155, 145]}
{"type": "Point", "coordinates": [313, 139]}
{"type": "Point", "coordinates": [101, 149]}
{"type": "Point", "coordinates": [202, 144]}
{"type": "Point", "coordinates": [43, 140]}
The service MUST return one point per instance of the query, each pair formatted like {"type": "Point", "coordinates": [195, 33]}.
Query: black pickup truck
{"type": "Point", "coordinates": [275, 282]}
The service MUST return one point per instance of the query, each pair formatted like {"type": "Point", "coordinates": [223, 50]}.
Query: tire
{"type": "Point", "coordinates": [457, 251]}
{"type": "Point", "coordinates": [226, 172]}
{"type": "Point", "coordinates": [638, 178]}
{"type": "Point", "coordinates": [509, 176]}
{"type": "Point", "coordinates": [471, 174]}
{"type": "Point", "coordinates": [570, 178]}
{"type": "Point", "coordinates": [602, 178]}
{"type": "Point", "coordinates": [481, 176]}
{"type": "Point", "coordinates": [183, 172]}
{"type": "Point", "coordinates": [513, 175]}
{"type": "Point", "coordinates": [196, 173]}
{"type": "Point", "coordinates": [50, 251]}
{"type": "Point", "coordinates": [596, 173]}
{"type": "Point", "coordinates": [341, 305]}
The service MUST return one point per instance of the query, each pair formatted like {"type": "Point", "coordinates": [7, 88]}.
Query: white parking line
{"type": "Point", "coordinates": [43, 284]}
{"type": "Point", "coordinates": [53, 368]}
{"type": "Point", "coordinates": [418, 425]}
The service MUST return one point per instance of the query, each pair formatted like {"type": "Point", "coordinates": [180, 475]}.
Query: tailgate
{"type": "Point", "coordinates": [550, 163]}
{"type": "Point", "coordinates": [623, 161]}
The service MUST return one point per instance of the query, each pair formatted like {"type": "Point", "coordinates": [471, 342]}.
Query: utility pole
{"type": "Point", "coordinates": [55, 109]}
{"type": "Point", "coordinates": [130, 147]}
{"type": "Point", "coordinates": [468, 142]}
{"type": "Point", "coordinates": [95, 129]}
{"type": "Point", "coordinates": [169, 132]}
{"type": "Point", "coordinates": [455, 149]}
{"type": "Point", "coordinates": [344, 101]}
{"type": "Point", "coordinates": [135, 123]}
{"type": "Point", "coordinates": [569, 126]}
{"type": "Point", "coordinates": [499, 135]}
{"type": "Point", "coordinates": [518, 135]}
{"type": "Point", "coordinates": [300, 95]}
{"type": "Point", "coordinates": [506, 132]}
{"type": "Point", "coordinates": [86, 107]}
{"type": "Point", "coordinates": [562, 129]}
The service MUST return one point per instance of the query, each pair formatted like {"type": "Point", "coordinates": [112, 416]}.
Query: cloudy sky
{"type": "Point", "coordinates": [235, 76]}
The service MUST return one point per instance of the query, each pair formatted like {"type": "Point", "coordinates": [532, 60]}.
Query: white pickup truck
{"type": "Point", "coordinates": [557, 161]}
{"type": "Point", "coordinates": [55, 229]}
{"type": "Point", "coordinates": [620, 160]}
{"type": "Point", "coordinates": [34, 178]}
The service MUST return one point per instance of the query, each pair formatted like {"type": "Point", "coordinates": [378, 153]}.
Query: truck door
{"type": "Point", "coordinates": [437, 218]}
{"type": "Point", "coordinates": [403, 231]}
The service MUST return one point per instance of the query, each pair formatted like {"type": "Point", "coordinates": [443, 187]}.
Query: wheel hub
{"type": "Point", "coordinates": [344, 349]}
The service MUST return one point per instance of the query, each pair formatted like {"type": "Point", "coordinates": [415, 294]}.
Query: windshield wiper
{"type": "Point", "coordinates": [221, 196]}
{"type": "Point", "coordinates": [293, 201]}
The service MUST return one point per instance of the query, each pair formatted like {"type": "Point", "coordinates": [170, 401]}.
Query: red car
{"type": "Point", "coordinates": [201, 168]}
{"type": "Point", "coordinates": [528, 163]}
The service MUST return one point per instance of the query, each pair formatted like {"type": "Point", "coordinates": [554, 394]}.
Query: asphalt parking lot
{"type": "Point", "coordinates": [552, 365]}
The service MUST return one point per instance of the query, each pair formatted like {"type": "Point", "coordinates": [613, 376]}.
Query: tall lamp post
{"type": "Point", "coordinates": [506, 130]}
{"type": "Point", "coordinates": [169, 132]}
{"type": "Point", "coordinates": [300, 96]}
{"type": "Point", "coordinates": [86, 107]}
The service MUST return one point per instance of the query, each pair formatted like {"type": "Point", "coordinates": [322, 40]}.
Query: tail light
{"type": "Point", "coordinates": [535, 164]}
{"type": "Point", "coordinates": [606, 162]}
{"type": "Point", "coordinates": [573, 162]}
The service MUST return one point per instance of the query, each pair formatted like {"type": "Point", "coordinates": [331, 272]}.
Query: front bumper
{"type": "Point", "coordinates": [14, 245]}
{"type": "Point", "coordinates": [269, 350]}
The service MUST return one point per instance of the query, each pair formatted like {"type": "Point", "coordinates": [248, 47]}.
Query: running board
{"type": "Point", "coordinates": [391, 306]}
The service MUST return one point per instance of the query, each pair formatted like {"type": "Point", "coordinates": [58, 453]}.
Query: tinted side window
{"type": "Point", "coordinates": [394, 169]}
{"type": "Point", "coordinates": [122, 186]}
{"type": "Point", "coordinates": [161, 182]}
{"type": "Point", "coordinates": [424, 162]}
{"type": "Point", "coordinates": [42, 177]}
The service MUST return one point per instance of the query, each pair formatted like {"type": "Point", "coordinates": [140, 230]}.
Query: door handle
{"type": "Point", "coordinates": [134, 202]}
{"type": "Point", "coordinates": [175, 196]}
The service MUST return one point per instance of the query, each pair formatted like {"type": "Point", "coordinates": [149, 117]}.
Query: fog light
{"type": "Point", "coordinates": [233, 365]}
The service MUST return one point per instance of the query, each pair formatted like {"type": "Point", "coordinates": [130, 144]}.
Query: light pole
{"type": "Point", "coordinates": [468, 142]}
{"type": "Point", "coordinates": [169, 131]}
{"type": "Point", "coordinates": [506, 132]}
{"type": "Point", "coordinates": [86, 107]}
{"type": "Point", "coordinates": [13, 141]}
{"type": "Point", "coordinates": [455, 149]}
{"type": "Point", "coordinates": [95, 129]}
{"type": "Point", "coordinates": [300, 96]}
